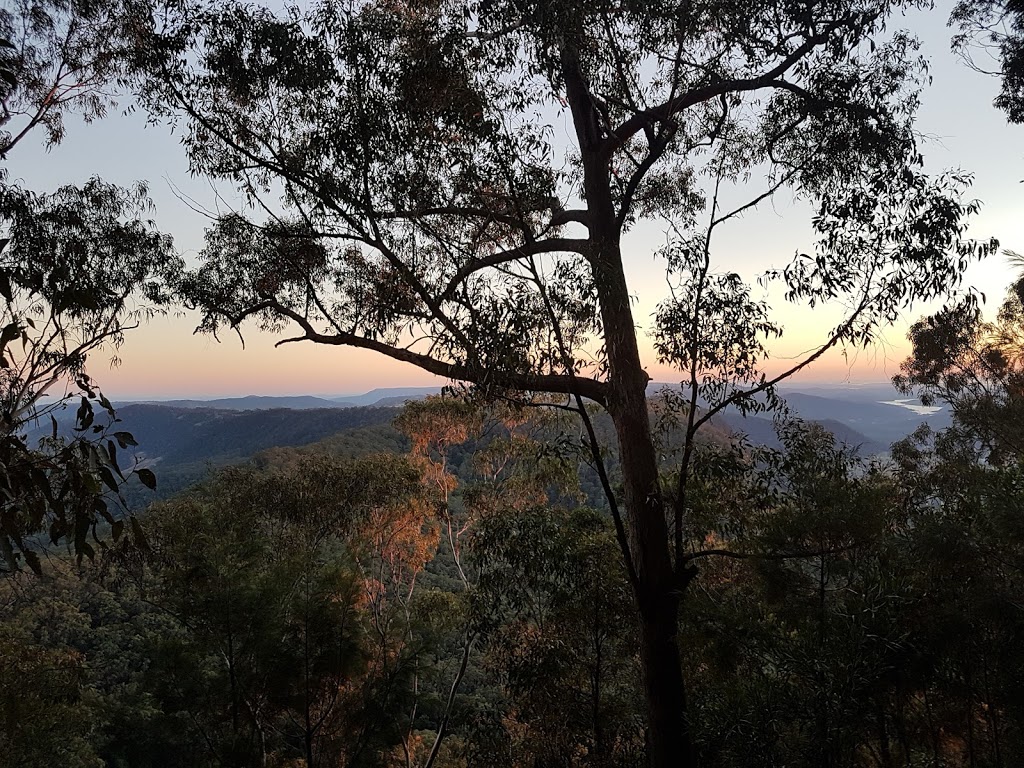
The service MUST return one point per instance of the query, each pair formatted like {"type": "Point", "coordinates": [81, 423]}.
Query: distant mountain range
{"type": "Point", "coordinates": [761, 431]}
{"type": "Point", "coordinates": [183, 439]}
{"type": "Point", "coordinates": [183, 444]}
{"type": "Point", "coordinates": [173, 435]}
{"type": "Point", "coordinates": [870, 416]}
{"type": "Point", "coordinates": [880, 421]}
{"type": "Point", "coordinates": [385, 396]}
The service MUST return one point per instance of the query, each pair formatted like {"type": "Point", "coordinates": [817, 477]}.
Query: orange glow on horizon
{"type": "Point", "coordinates": [166, 360]}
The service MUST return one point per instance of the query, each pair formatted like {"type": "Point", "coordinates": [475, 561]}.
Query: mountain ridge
{"type": "Point", "coordinates": [379, 397]}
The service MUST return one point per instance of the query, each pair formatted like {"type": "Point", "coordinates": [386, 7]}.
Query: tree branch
{"type": "Point", "coordinates": [592, 389]}
{"type": "Point", "coordinates": [769, 555]}
{"type": "Point", "coordinates": [666, 110]}
{"type": "Point", "coordinates": [548, 245]}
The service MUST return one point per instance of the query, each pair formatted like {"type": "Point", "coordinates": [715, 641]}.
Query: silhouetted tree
{"type": "Point", "coordinates": [431, 211]}
{"type": "Point", "coordinates": [996, 27]}
{"type": "Point", "coordinates": [78, 268]}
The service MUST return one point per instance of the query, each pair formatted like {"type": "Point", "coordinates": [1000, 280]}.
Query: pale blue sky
{"type": "Point", "coordinates": [165, 359]}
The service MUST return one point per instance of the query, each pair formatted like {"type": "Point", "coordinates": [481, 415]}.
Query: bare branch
{"type": "Point", "coordinates": [712, 90]}
{"type": "Point", "coordinates": [548, 245]}
{"type": "Point", "coordinates": [592, 389]}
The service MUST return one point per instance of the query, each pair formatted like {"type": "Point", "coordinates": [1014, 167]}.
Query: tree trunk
{"type": "Point", "coordinates": [657, 590]}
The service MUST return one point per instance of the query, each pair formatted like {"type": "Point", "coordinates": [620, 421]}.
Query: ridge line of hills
{"type": "Point", "coordinates": [870, 418]}
{"type": "Point", "coordinates": [183, 439]}
{"type": "Point", "coordinates": [382, 396]}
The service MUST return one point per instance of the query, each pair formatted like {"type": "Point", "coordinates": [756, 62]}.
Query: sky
{"type": "Point", "coordinates": [165, 359]}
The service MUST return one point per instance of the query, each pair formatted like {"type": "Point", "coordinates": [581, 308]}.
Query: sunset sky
{"type": "Point", "coordinates": [164, 358]}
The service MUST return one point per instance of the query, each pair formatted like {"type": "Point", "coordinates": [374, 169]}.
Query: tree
{"type": "Point", "coordinates": [976, 368]}
{"type": "Point", "coordinates": [59, 57]}
{"type": "Point", "coordinates": [42, 718]}
{"type": "Point", "coordinates": [78, 268]}
{"type": "Point", "coordinates": [554, 606]}
{"type": "Point", "coordinates": [496, 449]}
{"type": "Point", "coordinates": [429, 211]}
{"type": "Point", "coordinates": [998, 27]}
{"type": "Point", "coordinates": [290, 585]}
{"type": "Point", "coordinates": [964, 483]}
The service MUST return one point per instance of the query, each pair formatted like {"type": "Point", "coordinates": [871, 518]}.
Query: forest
{"type": "Point", "coordinates": [548, 564]}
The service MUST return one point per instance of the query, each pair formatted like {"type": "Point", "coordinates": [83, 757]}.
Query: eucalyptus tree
{"type": "Point", "coordinates": [963, 485]}
{"type": "Point", "coordinates": [449, 184]}
{"type": "Point", "coordinates": [997, 28]}
{"type": "Point", "coordinates": [975, 367]}
{"type": "Point", "coordinates": [79, 266]}
{"type": "Point", "coordinates": [291, 585]}
{"type": "Point", "coordinates": [60, 57]}
{"type": "Point", "coordinates": [554, 608]}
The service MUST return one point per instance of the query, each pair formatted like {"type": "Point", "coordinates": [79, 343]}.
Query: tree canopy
{"type": "Point", "coordinates": [996, 27]}
{"type": "Point", "coordinates": [79, 266]}
{"type": "Point", "coordinates": [413, 194]}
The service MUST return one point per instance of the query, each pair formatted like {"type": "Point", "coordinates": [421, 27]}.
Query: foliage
{"type": "Point", "coordinates": [997, 28]}
{"type": "Point", "coordinates": [428, 217]}
{"type": "Point", "coordinates": [555, 608]}
{"type": "Point", "coordinates": [414, 201]}
{"type": "Point", "coordinates": [429, 213]}
{"type": "Point", "coordinates": [78, 267]}
{"type": "Point", "coordinates": [43, 720]}
{"type": "Point", "coordinates": [976, 368]}
{"type": "Point", "coordinates": [290, 585]}
{"type": "Point", "coordinates": [848, 614]}
{"type": "Point", "coordinates": [60, 57]}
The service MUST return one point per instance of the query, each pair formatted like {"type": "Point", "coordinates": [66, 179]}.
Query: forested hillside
{"type": "Point", "coordinates": [558, 563]}
{"type": "Point", "coordinates": [184, 444]}
{"type": "Point", "coordinates": [436, 588]}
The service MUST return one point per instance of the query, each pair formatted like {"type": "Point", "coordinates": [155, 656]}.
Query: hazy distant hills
{"type": "Point", "coordinates": [384, 396]}
{"type": "Point", "coordinates": [761, 431]}
{"type": "Point", "coordinates": [183, 444]}
{"type": "Point", "coordinates": [183, 439]}
{"type": "Point", "coordinates": [863, 416]}
{"type": "Point", "coordinates": [393, 395]}
{"type": "Point", "coordinates": [182, 430]}
{"type": "Point", "coordinates": [879, 421]}
{"type": "Point", "coordinates": [251, 403]}
{"type": "Point", "coordinates": [174, 435]}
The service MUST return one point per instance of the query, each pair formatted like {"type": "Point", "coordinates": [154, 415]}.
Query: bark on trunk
{"type": "Point", "coordinates": [657, 590]}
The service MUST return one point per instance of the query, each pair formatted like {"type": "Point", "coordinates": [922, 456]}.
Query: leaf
{"type": "Point", "coordinates": [124, 439]}
{"type": "Point", "coordinates": [116, 529]}
{"type": "Point", "coordinates": [85, 548]}
{"type": "Point", "coordinates": [106, 404]}
{"type": "Point", "coordinates": [108, 478]}
{"type": "Point", "coordinates": [57, 530]}
{"type": "Point", "coordinates": [84, 416]}
{"type": "Point", "coordinates": [103, 511]}
{"type": "Point", "coordinates": [147, 478]}
{"type": "Point", "coordinates": [112, 452]}
{"type": "Point", "coordinates": [10, 332]}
